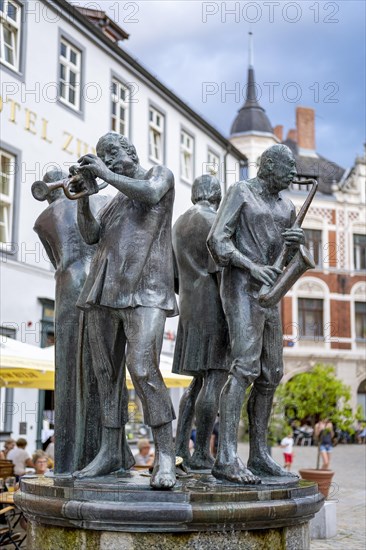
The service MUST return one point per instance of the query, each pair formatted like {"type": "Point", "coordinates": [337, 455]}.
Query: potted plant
{"type": "Point", "coordinates": [318, 395]}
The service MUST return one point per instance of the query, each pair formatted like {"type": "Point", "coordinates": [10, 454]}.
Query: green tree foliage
{"type": "Point", "coordinates": [317, 394]}
{"type": "Point", "coordinates": [314, 395]}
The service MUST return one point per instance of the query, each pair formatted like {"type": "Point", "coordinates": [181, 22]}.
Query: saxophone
{"type": "Point", "coordinates": [270, 295]}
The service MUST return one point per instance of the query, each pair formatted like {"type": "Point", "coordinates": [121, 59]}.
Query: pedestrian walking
{"type": "Point", "coordinates": [287, 445]}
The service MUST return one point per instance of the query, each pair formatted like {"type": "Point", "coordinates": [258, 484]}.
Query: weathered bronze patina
{"type": "Point", "coordinates": [202, 339]}
{"type": "Point", "coordinates": [124, 299]}
{"type": "Point", "coordinates": [254, 223]}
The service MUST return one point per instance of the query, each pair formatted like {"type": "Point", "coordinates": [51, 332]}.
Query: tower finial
{"type": "Point", "coordinates": [251, 54]}
{"type": "Point", "coordinates": [251, 117]}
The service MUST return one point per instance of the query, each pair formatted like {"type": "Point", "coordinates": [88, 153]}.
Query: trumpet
{"type": "Point", "coordinates": [85, 181]}
{"type": "Point", "coordinates": [270, 295]}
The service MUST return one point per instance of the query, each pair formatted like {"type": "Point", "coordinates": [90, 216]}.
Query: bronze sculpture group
{"type": "Point", "coordinates": [217, 262]}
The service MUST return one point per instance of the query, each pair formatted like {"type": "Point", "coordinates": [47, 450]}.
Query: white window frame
{"type": "Point", "coordinates": [69, 66]}
{"type": "Point", "coordinates": [186, 156]}
{"type": "Point", "coordinates": [213, 163]}
{"type": "Point", "coordinates": [156, 135]}
{"type": "Point", "coordinates": [7, 201]}
{"type": "Point", "coordinates": [121, 125]}
{"type": "Point", "coordinates": [357, 294]}
{"type": "Point", "coordinates": [356, 261]}
{"type": "Point", "coordinates": [14, 27]}
{"type": "Point", "coordinates": [298, 187]}
{"type": "Point", "coordinates": [315, 222]}
{"type": "Point", "coordinates": [320, 291]}
{"type": "Point", "coordinates": [310, 246]}
{"type": "Point", "coordinates": [314, 333]}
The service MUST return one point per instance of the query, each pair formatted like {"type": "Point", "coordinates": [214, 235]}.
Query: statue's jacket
{"type": "Point", "coordinates": [248, 223]}
{"type": "Point", "coordinates": [133, 263]}
{"type": "Point", "coordinates": [202, 337]}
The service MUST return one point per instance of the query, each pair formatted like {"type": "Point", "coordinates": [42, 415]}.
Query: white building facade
{"type": "Point", "coordinates": [65, 81]}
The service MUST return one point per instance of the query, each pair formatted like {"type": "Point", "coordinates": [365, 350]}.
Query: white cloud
{"type": "Point", "coordinates": [171, 39]}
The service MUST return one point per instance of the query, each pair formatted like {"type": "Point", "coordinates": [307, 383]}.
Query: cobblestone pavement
{"type": "Point", "coordinates": [349, 491]}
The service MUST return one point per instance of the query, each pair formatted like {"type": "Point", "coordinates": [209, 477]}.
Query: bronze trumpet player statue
{"type": "Point", "coordinates": [255, 234]}
{"type": "Point", "coordinates": [126, 296]}
{"type": "Point", "coordinates": [130, 286]}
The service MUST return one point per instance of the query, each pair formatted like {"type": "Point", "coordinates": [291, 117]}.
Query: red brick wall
{"type": "Point", "coordinates": [340, 318]}
{"type": "Point", "coordinates": [340, 345]}
{"type": "Point", "coordinates": [278, 131]}
{"type": "Point", "coordinates": [286, 309]}
{"type": "Point", "coordinates": [305, 125]}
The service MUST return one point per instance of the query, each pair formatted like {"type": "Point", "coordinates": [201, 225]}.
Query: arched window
{"type": "Point", "coordinates": [358, 247]}
{"type": "Point", "coordinates": [311, 310]}
{"type": "Point", "coordinates": [358, 313]}
{"type": "Point", "coordinates": [315, 239]}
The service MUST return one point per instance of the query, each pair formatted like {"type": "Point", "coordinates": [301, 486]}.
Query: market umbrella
{"type": "Point", "coordinates": [25, 366]}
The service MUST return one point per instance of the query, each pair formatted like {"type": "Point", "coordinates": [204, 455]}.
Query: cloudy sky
{"type": "Point", "coordinates": [309, 53]}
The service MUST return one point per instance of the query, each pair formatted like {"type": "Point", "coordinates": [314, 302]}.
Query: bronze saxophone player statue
{"type": "Point", "coordinates": [255, 235]}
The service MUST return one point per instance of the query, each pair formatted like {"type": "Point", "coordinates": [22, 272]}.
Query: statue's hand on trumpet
{"type": "Point", "coordinates": [80, 183]}
{"type": "Point", "coordinates": [93, 165]}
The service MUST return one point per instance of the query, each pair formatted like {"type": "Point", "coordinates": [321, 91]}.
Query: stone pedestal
{"type": "Point", "coordinates": [200, 512]}
{"type": "Point", "coordinates": [324, 524]}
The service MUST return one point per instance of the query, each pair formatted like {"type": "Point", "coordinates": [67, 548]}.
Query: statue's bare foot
{"type": "Point", "coordinates": [235, 472]}
{"type": "Point", "coordinates": [163, 476]}
{"type": "Point", "coordinates": [201, 461]}
{"type": "Point", "coordinates": [264, 465]}
{"type": "Point", "coordinates": [104, 463]}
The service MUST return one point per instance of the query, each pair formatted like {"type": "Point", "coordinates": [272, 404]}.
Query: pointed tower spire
{"type": "Point", "coordinates": [251, 95]}
{"type": "Point", "coordinates": [250, 50]}
{"type": "Point", "coordinates": [251, 117]}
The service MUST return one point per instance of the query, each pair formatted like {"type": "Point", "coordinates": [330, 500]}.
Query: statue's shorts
{"type": "Point", "coordinates": [256, 343]}
{"type": "Point", "coordinates": [132, 338]}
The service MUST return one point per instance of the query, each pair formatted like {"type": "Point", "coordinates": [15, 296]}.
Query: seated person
{"type": "Point", "coordinates": [20, 457]}
{"type": "Point", "coordinates": [145, 456]}
{"type": "Point", "coordinates": [308, 430]}
{"type": "Point", "coordinates": [9, 444]}
{"type": "Point", "coordinates": [40, 461]}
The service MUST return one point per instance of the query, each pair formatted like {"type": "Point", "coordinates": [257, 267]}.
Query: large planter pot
{"type": "Point", "coordinates": [322, 477]}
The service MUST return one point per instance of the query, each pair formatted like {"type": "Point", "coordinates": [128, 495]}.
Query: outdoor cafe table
{"type": "Point", "coordinates": [6, 498]}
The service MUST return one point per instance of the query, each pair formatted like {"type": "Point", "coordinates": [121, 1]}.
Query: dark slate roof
{"type": "Point", "coordinates": [251, 117]}
{"type": "Point", "coordinates": [100, 19]}
{"type": "Point", "coordinates": [323, 170]}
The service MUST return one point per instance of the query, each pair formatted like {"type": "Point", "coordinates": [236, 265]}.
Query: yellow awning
{"type": "Point", "coordinates": [25, 366]}
{"type": "Point", "coordinates": [27, 378]}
